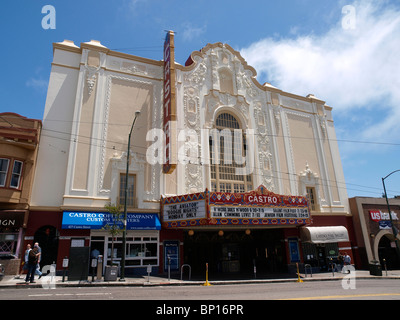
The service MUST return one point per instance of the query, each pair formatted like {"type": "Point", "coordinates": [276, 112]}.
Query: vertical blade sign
{"type": "Point", "coordinates": [169, 102]}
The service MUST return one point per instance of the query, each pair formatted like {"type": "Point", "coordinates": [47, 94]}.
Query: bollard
{"type": "Point", "coordinates": [298, 273]}
{"type": "Point", "coordinates": [148, 273]}
{"type": "Point", "coordinates": [384, 263]}
{"type": "Point", "coordinates": [94, 265]}
{"type": "Point", "coordinates": [99, 267]}
{"type": "Point", "coordinates": [169, 268]}
{"type": "Point", "coordinates": [65, 266]}
{"type": "Point", "coordinates": [207, 284]}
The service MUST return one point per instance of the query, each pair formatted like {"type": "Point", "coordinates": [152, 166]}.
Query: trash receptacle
{"type": "Point", "coordinates": [375, 269]}
{"type": "Point", "coordinates": [111, 273]}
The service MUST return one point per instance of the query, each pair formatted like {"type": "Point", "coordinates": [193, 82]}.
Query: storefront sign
{"type": "Point", "coordinates": [377, 215]}
{"type": "Point", "coordinates": [385, 224]}
{"type": "Point", "coordinates": [11, 219]}
{"type": "Point", "coordinates": [98, 220]}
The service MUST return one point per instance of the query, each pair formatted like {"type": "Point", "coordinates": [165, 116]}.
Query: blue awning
{"type": "Point", "coordinates": [98, 220]}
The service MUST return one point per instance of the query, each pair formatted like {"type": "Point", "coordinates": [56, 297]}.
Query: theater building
{"type": "Point", "coordinates": [233, 173]}
{"type": "Point", "coordinates": [267, 163]}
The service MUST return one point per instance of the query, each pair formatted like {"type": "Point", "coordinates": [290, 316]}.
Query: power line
{"type": "Point", "coordinates": [324, 182]}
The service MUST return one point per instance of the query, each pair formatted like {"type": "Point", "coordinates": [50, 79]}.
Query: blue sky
{"type": "Point", "coordinates": [345, 52]}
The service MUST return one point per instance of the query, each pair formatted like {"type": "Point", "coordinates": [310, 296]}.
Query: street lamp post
{"type": "Point", "coordinates": [122, 277]}
{"type": "Point", "coordinates": [394, 230]}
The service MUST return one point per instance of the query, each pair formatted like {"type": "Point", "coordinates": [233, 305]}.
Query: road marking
{"type": "Point", "coordinates": [93, 293]}
{"type": "Point", "coordinates": [70, 294]}
{"type": "Point", "coordinates": [346, 296]}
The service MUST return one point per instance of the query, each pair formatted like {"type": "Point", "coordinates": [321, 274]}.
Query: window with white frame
{"type": "Point", "coordinates": [311, 196]}
{"type": "Point", "coordinates": [131, 192]}
{"type": "Point", "coordinates": [16, 174]}
{"type": "Point", "coordinates": [4, 163]}
{"type": "Point", "coordinates": [10, 179]}
{"type": "Point", "coordinates": [141, 250]}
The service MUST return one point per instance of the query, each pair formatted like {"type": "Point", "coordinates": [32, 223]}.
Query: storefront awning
{"type": "Point", "coordinates": [324, 234]}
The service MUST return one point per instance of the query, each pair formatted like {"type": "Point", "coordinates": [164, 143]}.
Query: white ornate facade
{"type": "Point", "coordinates": [295, 143]}
{"type": "Point", "coordinates": [289, 142]}
{"type": "Point", "coordinates": [92, 98]}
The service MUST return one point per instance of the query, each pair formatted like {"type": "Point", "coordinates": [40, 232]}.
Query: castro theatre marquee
{"type": "Point", "coordinates": [256, 208]}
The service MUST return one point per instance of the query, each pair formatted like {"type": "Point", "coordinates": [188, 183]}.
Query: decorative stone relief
{"type": "Point", "coordinates": [193, 171]}
{"type": "Point", "coordinates": [197, 76]}
{"type": "Point", "coordinates": [91, 76]}
{"type": "Point", "coordinates": [277, 117]}
{"type": "Point", "coordinates": [322, 123]}
{"type": "Point", "coordinates": [136, 68]}
{"type": "Point", "coordinates": [264, 148]}
{"type": "Point", "coordinates": [308, 178]}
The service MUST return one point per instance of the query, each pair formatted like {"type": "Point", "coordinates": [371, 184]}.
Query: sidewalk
{"type": "Point", "coordinates": [56, 281]}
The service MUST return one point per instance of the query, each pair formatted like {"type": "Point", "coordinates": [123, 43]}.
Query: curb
{"type": "Point", "coordinates": [59, 284]}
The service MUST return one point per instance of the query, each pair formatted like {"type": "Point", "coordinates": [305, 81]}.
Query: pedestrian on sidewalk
{"type": "Point", "coordinates": [347, 261]}
{"type": "Point", "coordinates": [32, 263]}
{"type": "Point", "coordinates": [37, 271]}
{"type": "Point", "coordinates": [340, 260]}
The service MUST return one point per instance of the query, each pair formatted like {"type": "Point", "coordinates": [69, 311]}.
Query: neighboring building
{"type": "Point", "coordinates": [91, 102]}
{"type": "Point", "coordinates": [274, 143]}
{"type": "Point", "coordinates": [373, 230]}
{"type": "Point", "coordinates": [19, 139]}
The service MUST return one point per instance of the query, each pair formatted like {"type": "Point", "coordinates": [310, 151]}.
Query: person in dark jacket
{"type": "Point", "coordinates": [32, 262]}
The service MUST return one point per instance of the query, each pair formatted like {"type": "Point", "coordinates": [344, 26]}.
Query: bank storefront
{"type": "Point", "coordinates": [142, 237]}
{"type": "Point", "coordinates": [241, 233]}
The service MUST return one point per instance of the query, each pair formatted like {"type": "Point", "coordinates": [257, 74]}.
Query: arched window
{"type": "Point", "coordinates": [227, 150]}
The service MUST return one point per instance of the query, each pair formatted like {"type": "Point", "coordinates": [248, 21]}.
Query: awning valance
{"type": "Point", "coordinates": [324, 234]}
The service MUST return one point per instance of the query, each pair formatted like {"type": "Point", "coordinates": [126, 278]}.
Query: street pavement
{"type": "Point", "coordinates": [58, 281]}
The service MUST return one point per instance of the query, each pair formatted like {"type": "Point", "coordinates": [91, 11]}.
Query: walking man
{"type": "Point", "coordinates": [32, 262]}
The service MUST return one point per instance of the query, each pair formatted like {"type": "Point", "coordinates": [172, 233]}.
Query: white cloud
{"type": "Point", "coordinates": [190, 32]}
{"type": "Point", "coordinates": [37, 84]}
{"type": "Point", "coordinates": [352, 69]}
